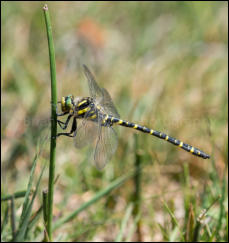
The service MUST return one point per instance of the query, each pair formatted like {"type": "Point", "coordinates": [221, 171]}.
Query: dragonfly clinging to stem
{"type": "Point", "coordinates": [93, 121]}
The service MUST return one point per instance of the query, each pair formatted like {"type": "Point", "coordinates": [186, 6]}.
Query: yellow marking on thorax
{"type": "Point", "coordinates": [82, 102]}
{"type": "Point", "coordinates": [181, 144]}
{"type": "Point", "coordinates": [167, 137]}
{"type": "Point", "coordinates": [135, 126]}
{"type": "Point", "coordinates": [151, 131]}
{"type": "Point", "coordinates": [83, 110]}
{"type": "Point", "coordinates": [112, 118]}
{"type": "Point", "coordinates": [160, 134]}
{"type": "Point", "coordinates": [93, 116]}
{"type": "Point", "coordinates": [198, 152]}
{"type": "Point", "coordinates": [192, 150]}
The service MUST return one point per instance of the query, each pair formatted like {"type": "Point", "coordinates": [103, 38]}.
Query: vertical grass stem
{"type": "Point", "coordinates": [53, 121]}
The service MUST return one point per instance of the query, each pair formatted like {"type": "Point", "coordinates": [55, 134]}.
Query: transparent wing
{"type": "Point", "coordinates": [103, 138]}
{"type": "Point", "coordinates": [87, 132]}
{"type": "Point", "coordinates": [108, 104]}
{"type": "Point", "coordinates": [105, 147]}
{"type": "Point", "coordinates": [100, 95]}
{"type": "Point", "coordinates": [94, 89]}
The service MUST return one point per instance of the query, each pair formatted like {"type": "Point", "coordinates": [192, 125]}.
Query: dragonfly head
{"type": "Point", "coordinates": [67, 103]}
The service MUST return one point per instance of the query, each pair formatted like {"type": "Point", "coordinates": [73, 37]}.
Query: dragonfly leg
{"type": "Point", "coordinates": [64, 123]}
{"type": "Point", "coordinates": [61, 114]}
{"type": "Point", "coordinates": [73, 131]}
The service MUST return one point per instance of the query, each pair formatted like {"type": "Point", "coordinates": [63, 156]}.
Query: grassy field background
{"type": "Point", "coordinates": [165, 65]}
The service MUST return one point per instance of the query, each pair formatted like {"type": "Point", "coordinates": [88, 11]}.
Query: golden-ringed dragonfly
{"type": "Point", "coordinates": [93, 121]}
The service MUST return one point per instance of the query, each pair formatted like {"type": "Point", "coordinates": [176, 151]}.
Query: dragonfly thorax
{"type": "Point", "coordinates": [82, 103]}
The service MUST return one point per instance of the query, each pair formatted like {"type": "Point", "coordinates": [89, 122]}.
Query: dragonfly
{"type": "Point", "coordinates": [94, 119]}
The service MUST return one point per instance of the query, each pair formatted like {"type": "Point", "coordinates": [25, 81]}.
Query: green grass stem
{"type": "Point", "coordinates": [53, 122]}
{"type": "Point", "coordinates": [18, 194]}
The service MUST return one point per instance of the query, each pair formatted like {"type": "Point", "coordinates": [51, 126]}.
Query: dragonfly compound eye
{"type": "Point", "coordinates": [66, 103]}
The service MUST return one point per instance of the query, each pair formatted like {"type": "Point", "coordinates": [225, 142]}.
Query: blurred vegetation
{"type": "Point", "coordinates": [165, 65]}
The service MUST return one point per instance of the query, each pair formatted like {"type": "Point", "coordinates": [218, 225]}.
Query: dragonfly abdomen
{"type": "Point", "coordinates": [160, 135]}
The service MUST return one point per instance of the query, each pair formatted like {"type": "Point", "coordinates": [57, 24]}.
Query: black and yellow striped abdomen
{"type": "Point", "coordinates": [112, 120]}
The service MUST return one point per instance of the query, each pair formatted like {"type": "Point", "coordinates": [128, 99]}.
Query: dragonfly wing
{"type": "Point", "coordinates": [100, 95]}
{"type": "Point", "coordinates": [87, 132]}
{"type": "Point", "coordinates": [106, 146]}
{"type": "Point", "coordinates": [108, 104]}
{"type": "Point", "coordinates": [95, 90]}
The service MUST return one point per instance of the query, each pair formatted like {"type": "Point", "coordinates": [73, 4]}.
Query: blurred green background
{"type": "Point", "coordinates": [165, 65]}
